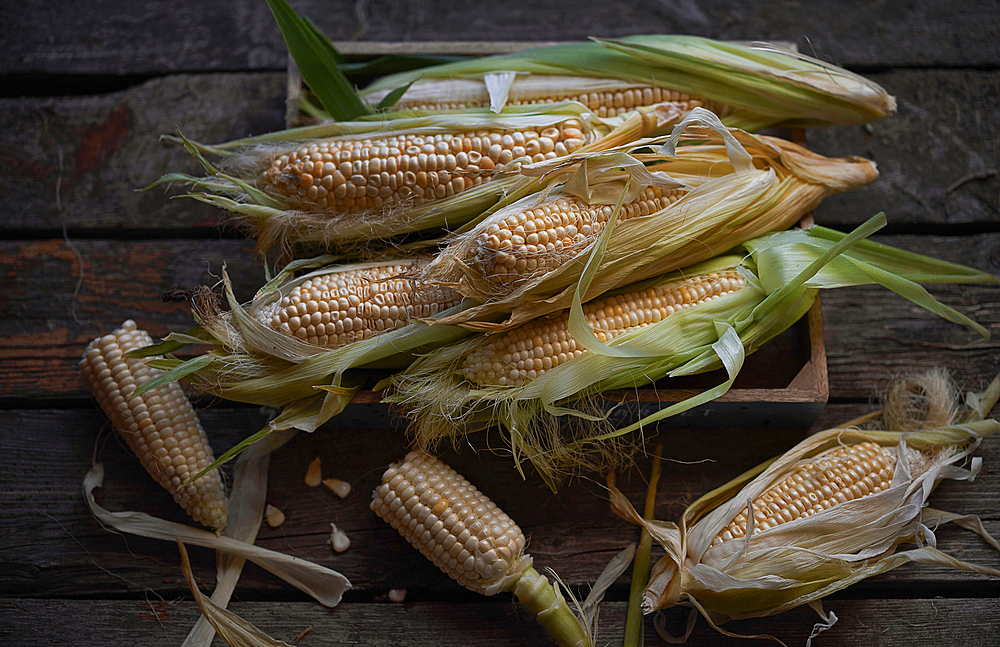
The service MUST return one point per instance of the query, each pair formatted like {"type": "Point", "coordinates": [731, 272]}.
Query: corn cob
{"type": "Point", "coordinates": [838, 476]}
{"type": "Point", "coordinates": [338, 308]}
{"type": "Point", "coordinates": [679, 206]}
{"type": "Point", "coordinates": [536, 240]}
{"type": "Point", "coordinates": [552, 368]}
{"type": "Point", "coordinates": [523, 353]}
{"type": "Point", "coordinates": [360, 175]}
{"type": "Point", "coordinates": [161, 427]}
{"type": "Point", "coordinates": [868, 499]}
{"type": "Point", "coordinates": [469, 538]}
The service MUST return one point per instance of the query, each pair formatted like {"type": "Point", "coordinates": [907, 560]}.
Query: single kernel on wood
{"type": "Point", "coordinates": [275, 517]}
{"type": "Point", "coordinates": [340, 488]}
{"type": "Point", "coordinates": [338, 539]}
{"type": "Point", "coordinates": [397, 595]}
{"type": "Point", "coordinates": [314, 475]}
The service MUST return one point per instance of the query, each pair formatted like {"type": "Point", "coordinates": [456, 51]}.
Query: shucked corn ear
{"type": "Point", "coordinates": [160, 426]}
{"type": "Point", "coordinates": [347, 182]}
{"type": "Point", "coordinates": [551, 368]}
{"type": "Point", "coordinates": [672, 206]}
{"type": "Point", "coordinates": [469, 538]}
{"type": "Point", "coordinates": [835, 509]}
{"type": "Point", "coordinates": [751, 87]}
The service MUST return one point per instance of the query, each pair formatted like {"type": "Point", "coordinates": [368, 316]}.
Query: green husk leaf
{"type": "Point", "coordinates": [761, 85]}
{"type": "Point", "coordinates": [178, 372]}
{"type": "Point", "coordinates": [316, 57]}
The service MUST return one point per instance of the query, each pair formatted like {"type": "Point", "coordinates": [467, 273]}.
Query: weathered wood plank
{"type": "Point", "coordinates": [938, 157]}
{"type": "Point", "coordinates": [154, 622]}
{"type": "Point", "coordinates": [156, 38]}
{"type": "Point", "coordinates": [53, 548]}
{"type": "Point", "coordinates": [78, 162]}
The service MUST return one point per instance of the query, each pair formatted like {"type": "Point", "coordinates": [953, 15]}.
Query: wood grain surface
{"type": "Point", "coordinates": [86, 91]}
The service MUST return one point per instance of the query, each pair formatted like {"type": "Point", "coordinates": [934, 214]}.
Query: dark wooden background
{"type": "Point", "coordinates": [86, 88]}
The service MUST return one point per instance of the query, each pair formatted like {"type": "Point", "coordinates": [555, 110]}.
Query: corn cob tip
{"type": "Point", "coordinates": [160, 426]}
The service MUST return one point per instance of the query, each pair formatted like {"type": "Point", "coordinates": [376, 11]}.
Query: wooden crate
{"type": "Point", "coordinates": [783, 384]}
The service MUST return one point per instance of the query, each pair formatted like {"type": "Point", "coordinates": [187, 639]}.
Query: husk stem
{"type": "Point", "coordinates": [759, 85]}
{"type": "Point", "coordinates": [538, 595]}
{"type": "Point", "coordinates": [719, 333]}
{"type": "Point", "coordinates": [805, 560]}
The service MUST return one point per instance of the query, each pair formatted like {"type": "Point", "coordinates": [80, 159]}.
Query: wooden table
{"type": "Point", "coordinates": [87, 88]}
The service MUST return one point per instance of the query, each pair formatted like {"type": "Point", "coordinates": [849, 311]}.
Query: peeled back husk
{"type": "Point", "coordinates": [733, 186]}
{"type": "Point", "coordinates": [801, 561]}
{"type": "Point", "coordinates": [237, 181]}
{"type": "Point", "coordinates": [753, 85]}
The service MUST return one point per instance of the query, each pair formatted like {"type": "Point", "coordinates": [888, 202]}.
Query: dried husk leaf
{"type": "Point", "coordinates": [804, 560]}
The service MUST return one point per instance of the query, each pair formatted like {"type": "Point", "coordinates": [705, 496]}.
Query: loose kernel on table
{"type": "Point", "coordinates": [314, 475]}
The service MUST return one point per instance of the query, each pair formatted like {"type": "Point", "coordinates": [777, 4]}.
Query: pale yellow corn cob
{"type": "Point", "coordinates": [838, 476]}
{"type": "Point", "coordinates": [359, 175]}
{"type": "Point", "coordinates": [525, 352]}
{"type": "Point", "coordinates": [537, 240]}
{"type": "Point", "coordinates": [604, 103]}
{"type": "Point", "coordinates": [450, 522]}
{"type": "Point", "coordinates": [160, 426]}
{"type": "Point", "coordinates": [338, 308]}
{"type": "Point", "coordinates": [469, 538]}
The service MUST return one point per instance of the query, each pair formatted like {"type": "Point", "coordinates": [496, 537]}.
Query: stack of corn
{"type": "Point", "coordinates": [702, 317]}
{"type": "Point", "coordinates": [439, 164]}
{"type": "Point", "coordinates": [698, 193]}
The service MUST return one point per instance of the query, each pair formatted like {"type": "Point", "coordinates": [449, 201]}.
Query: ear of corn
{"type": "Point", "coordinates": [160, 426]}
{"type": "Point", "coordinates": [348, 182]}
{"type": "Point", "coordinates": [837, 508]}
{"type": "Point", "coordinates": [606, 98]}
{"type": "Point", "coordinates": [555, 367]}
{"type": "Point", "coordinates": [336, 308]}
{"type": "Point", "coordinates": [679, 207]}
{"type": "Point", "coordinates": [469, 538]}
{"type": "Point", "coordinates": [753, 86]}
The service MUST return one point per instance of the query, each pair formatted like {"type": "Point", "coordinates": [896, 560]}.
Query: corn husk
{"type": "Point", "coordinates": [802, 561]}
{"type": "Point", "coordinates": [230, 183]}
{"type": "Point", "coordinates": [753, 86]}
{"type": "Point", "coordinates": [738, 186]}
{"type": "Point", "coordinates": [784, 272]}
